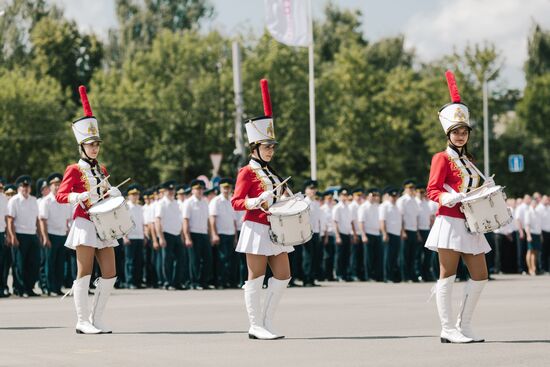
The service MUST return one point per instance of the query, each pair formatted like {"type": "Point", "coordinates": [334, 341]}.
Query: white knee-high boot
{"type": "Point", "coordinates": [102, 293]}
{"type": "Point", "coordinates": [80, 295]}
{"type": "Point", "coordinates": [472, 291]}
{"type": "Point", "coordinates": [444, 292]}
{"type": "Point", "coordinates": [275, 290]}
{"type": "Point", "coordinates": [252, 298]}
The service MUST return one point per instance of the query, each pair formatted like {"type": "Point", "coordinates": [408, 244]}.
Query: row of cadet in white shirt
{"type": "Point", "coordinates": [358, 216]}
{"type": "Point", "coordinates": [532, 213]}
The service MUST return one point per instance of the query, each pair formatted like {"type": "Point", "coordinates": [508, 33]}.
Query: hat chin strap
{"type": "Point", "coordinates": [260, 156]}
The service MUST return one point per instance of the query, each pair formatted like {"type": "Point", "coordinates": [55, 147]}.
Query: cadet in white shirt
{"type": "Point", "coordinates": [168, 226]}
{"type": "Point", "coordinates": [410, 264]}
{"type": "Point", "coordinates": [151, 240]}
{"type": "Point", "coordinates": [5, 253]}
{"type": "Point", "coordinates": [341, 216]}
{"type": "Point", "coordinates": [133, 242]}
{"type": "Point", "coordinates": [195, 231]}
{"type": "Point", "coordinates": [426, 217]}
{"type": "Point", "coordinates": [42, 190]}
{"type": "Point", "coordinates": [391, 228]}
{"type": "Point", "coordinates": [329, 237]}
{"type": "Point", "coordinates": [22, 228]}
{"type": "Point", "coordinates": [223, 226]}
{"type": "Point", "coordinates": [311, 255]}
{"type": "Point", "coordinates": [519, 215]}
{"type": "Point", "coordinates": [369, 229]}
{"type": "Point", "coordinates": [533, 233]}
{"type": "Point", "coordinates": [54, 226]}
{"type": "Point", "coordinates": [357, 269]}
{"type": "Point", "coordinates": [543, 210]}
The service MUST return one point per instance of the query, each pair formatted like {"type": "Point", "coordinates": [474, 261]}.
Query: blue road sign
{"type": "Point", "coordinates": [515, 163]}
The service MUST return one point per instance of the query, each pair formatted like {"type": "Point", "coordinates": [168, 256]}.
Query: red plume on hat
{"type": "Point", "coordinates": [451, 83]}
{"type": "Point", "coordinates": [85, 102]}
{"type": "Point", "coordinates": [266, 98]}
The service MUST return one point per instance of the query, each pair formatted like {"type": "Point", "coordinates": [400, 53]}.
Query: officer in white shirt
{"type": "Point", "coordinates": [42, 190]}
{"type": "Point", "coordinates": [151, 239]}
{"type": "Point", "coordinates": [519, 215]}
{"type": "Point", "coordinates": [533, 233]}
{"type": "Point", "coordinates": [312, 251]}
{"type": "Point", "coordinates": [22, 232]}
{"type": "Point", "coordinates": [329, 237]}
{"type": "Point", "coordinates": [391, 226]}
{"type": "Point", "coordinates": [426, 217]}
{"type": "Point", "coordinates": [341, 216]}
{"type": "Point", "coordinates": [543, 211]}
{"type": "Point", "coordinates": [357, 268]}
{"type": "Point", "coordinates": [54, 221]}
{"type": "Point", "coordinates": [133, 242]}
{"type": "Point", "coordinates": [195, 231]}
{"type": "Point", "coordinates": [223, 227]}
{"type": "Point", "coordinates": [410, 264]}
{"type": "Point", "coordinates": [168, 222]}
{"type": "Point", "coordinates": [369, 229]}
{"type": "Point", "coordinates": [5, 253]}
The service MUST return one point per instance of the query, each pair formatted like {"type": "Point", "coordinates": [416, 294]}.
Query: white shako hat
{"type": "Point", "coordinates": [260, 130]}
{"type": "Point", "coordinates": [86, 129]}
{"type": "Point", "coordinates": [456, 113]}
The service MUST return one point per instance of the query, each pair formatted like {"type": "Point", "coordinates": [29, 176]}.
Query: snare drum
{"type": "Point", "coordinates": [111, 218]}
{"type": "Point", "coordinates": [290, 222]}
{"type": "Point", "coordinates": [486, 210]}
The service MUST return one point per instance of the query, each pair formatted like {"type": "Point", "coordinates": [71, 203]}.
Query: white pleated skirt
{"type": "Point", "coordinates": [254, 239]}
{"type": "Point", "coordinates": [83, 232]}
{"type": "Point", "coordinates": [451, 233]}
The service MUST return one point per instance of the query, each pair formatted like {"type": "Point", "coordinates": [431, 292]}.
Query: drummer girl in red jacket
{"type": "Point", "coordinates": [452, 176]}
{"type": "Point", "coordinates": [84, 183]}
{"type": "Point", "coordinates": [254, 192]}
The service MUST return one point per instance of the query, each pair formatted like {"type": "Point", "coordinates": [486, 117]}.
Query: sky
{"type": "Point", "coordinates": [432, 28]}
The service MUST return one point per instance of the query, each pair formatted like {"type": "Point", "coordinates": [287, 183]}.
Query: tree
{"type": "Point", "coordinates": [538, 61]}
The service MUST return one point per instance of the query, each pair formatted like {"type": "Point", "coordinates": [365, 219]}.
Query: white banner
{"type": "Point", "coordinates": [288, 21]}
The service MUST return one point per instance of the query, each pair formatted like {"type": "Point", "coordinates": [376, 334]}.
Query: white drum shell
{"type": "Point", "coordinates": [486, 211]}
{"type": "Point", "coordinates": [290, 222]}
{"type": "Point", "coordinates": [111, 218]}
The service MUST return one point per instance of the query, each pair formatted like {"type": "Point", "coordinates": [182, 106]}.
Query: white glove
{"type": "Point", "coordinates": [451, 199]}
{"type": "Point", "coordinates": [78, 197]}
{"type": "Point", "coordinates": [489, 182]}
{"type": "Point", "coordinates": [114, 192]}
{"type": "Point", "coordinates": [266, 195]}
{"type": "Point", "coordinates": [255, 203]}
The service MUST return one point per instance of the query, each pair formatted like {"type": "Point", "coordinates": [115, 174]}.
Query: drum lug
{"type": "Point", "coordinates": [496, 220]}
{"type": "Point", "coordinates": [491, 202]}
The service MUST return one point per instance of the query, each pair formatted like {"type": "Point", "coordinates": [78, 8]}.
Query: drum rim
{"type": "Point", "coordinates": [104, 202]}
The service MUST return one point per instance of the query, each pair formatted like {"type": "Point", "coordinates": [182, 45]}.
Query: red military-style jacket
{"type": "Point", "coordinates": [78, 178]}
{"type": "Point", "coordinates": [252, 180]}
{"type": "Point", "coordinates": [449, 170]}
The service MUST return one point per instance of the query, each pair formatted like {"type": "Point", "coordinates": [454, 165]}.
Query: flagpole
{"type": "Point", "coordinates": [312, 133]}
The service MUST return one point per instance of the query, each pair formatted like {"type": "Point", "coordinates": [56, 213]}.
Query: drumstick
{"type": "Point", "coordinates": [100, 182]}
{"type": "Point", "coordinates": [281, 184]}
{"type": "Point", "coordinates": [120, 184]}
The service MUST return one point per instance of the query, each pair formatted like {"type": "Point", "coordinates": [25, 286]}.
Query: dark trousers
{"type": "Point", "coordinates": [490, 257]}
{"type": "Point", "coordinates": [426, 258]}
{"type": "Point", "coordinates": [5, 262]}
{"type": "Point", "coordinates": [329, 250]}
{"type": "Point", "coordinates": [243, 268]}
{"type": "Point", "coordinates": [295, 259]}
{"type": "Point", "coordinates": [133, 263]}
{"type": "Point", "coordinates": [225, 261]}
{"type": "Point", "coordinates": [158, 261]}
{"type": "Point", "coordinates": [69, 268]}
{"type": "Point", "coordinates": [55, 261]}
{"type": "Point", "coordinates": [392, 247]}
{"type": "Point", "coordinates": [522, 251]}
{"type": "Point", "coordinates": [311, 258]}
{"type": "Point", "coordinates": [173, 260]}
{"type": "Point", "coordinates": [343, 257]}
{"type": "Point", "coordinates": [42, 273]}
{"type": "Point", "coordinates": [506, 245]}
{"type": "Point", "coordinates": [357, 268]}
{"type": "Point", "coordinates": [26, 258]}
{"type": "Point", "coordinates": [410, 262]}
{"type": "Point", "coordinates": [373, 252]}
{"type": "Point", "coordinates": [149, 272]}
{"type": "Point", "coordinates": [200, 259]}
{"type": "Point", "coordinates": [119, 263]}
{"type": "Point", "coordinates": [545, 253]}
